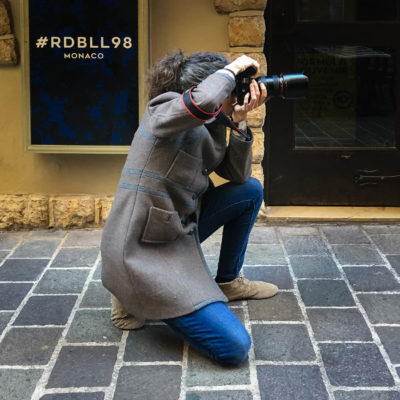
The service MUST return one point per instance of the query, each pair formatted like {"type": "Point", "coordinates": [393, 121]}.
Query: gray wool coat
{"type": "Point", "coordinates": [151, 256]}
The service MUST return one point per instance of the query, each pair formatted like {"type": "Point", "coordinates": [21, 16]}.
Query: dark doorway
{"type": "Point", "coordinates": [340, 146]}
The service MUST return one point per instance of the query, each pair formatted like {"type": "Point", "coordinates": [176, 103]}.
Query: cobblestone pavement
{"type": "Point", "coordinates": [332, 332]}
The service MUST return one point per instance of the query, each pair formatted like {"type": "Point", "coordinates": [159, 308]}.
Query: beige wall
{"type": "Point", "coordinates": [173, 25]}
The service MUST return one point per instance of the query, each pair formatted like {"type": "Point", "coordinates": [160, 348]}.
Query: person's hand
{"type": "Point", "coordinates": [242, 63]}
{"type": "Point", "coordinates": [258, 98]}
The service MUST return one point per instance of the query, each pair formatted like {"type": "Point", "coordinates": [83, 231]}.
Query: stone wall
{"type": "Point", "coordinates": [43, 211]}
{"type": "Point", "coordinates": [8, 45]}
{"type": "Point", "coordinates": [246, 30]}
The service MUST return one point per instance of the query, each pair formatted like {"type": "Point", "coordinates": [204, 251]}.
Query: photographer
{"type": "Point", "coordinates": [166, 205]}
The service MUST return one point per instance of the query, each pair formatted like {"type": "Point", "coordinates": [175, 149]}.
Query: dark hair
{"type": "Point", "coordinates": [177, 73]}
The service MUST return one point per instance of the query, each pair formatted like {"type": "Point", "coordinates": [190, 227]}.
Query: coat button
{"type": "Point", "coordinates": [205, 171]}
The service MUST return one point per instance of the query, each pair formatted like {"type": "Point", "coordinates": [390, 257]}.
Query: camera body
{"type": "Point", "coordinates": [285, 86]}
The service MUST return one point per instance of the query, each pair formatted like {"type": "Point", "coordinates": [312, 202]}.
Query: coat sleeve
{"type": "Point", "coordinates": [168, 114]}
{"type": "Point", "coordinates": [236, 165]}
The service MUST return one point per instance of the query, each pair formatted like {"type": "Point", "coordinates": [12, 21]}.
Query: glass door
{"type": "Point", "coordinates": [339, 146]}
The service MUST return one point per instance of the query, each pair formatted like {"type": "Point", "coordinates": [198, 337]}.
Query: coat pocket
{"type": "Point", "coordinates": [184, 169]}
{"type": "Point", "coordinates": [162, 226]}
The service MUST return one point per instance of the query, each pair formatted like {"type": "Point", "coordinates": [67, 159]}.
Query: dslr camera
{"type": "Point", "coordinates": [285, 86]}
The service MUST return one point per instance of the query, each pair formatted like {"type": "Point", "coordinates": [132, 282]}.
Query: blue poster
{"type": "Point", "coordinates": [83, 72]}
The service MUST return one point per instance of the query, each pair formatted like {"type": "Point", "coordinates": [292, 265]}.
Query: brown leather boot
{"type": "Point", "coordinates": [121, 319]}
{"type": "Point", "coordinates": [242, 288]}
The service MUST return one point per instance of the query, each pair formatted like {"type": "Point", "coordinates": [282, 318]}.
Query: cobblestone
{"type": "Point", "coordinates": [331, 333]}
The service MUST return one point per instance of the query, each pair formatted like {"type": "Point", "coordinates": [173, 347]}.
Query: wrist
{"type": "Point", "coordinates": [239, 118]}
{"type": "Point", "coordinates": [231, 71]}
{"type": "Point", "coordinates": [233, 68]}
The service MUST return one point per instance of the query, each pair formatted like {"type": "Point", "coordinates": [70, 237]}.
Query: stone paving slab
{"type": "Point", "coordinates": [331, 333]}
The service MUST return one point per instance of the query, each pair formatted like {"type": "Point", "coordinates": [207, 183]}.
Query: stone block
{"type": "Point", "coordinates": [371, 279]}
{"type": "Point", "coordinates": [388, 243]}
{"type": "Point", "coordinates": [83, 238]}
{"type": "Point", "coordinates": [282, 342]}
{"type": "Point", "coordinates": [46, 310]}
{"type": "Point", "coordinates": [325, 293]}
{"type": "Point", "coordinates": [298, 230]}
{"type": "Point", "coordinates": [105, 204]}
{"type": "Point", "coordinates": [228, 6]}
{"type": "Point", "coordinates": [338, 324]}
{"type": "Point", "coordinates": [264, 254]}
{"type": "Point", "coordinates": [256, 118]}
{"type": "Point", "coordinates": [153, 343]}
{"type": "Point", "coordinates": [28, 346]}
{"type": "Point", "coordinates": [93, 326]}
{"type": "Point", "coordinates": [367, 395]}
{"type": "Point", "coordinates": [5, 22]}
{"type": "Point", "coordinates": [84, 366]}
{"type": "Point", "coordinates": [395, 262]}
{"type": "Point", "coordinates": [288, 382]}
{"type": "Point", "coordinates": [62, 281]}
{"type": "Point", "coordinates": [381, 308]}
{"type": "Point", "coordinates": [31, 248]}
{"type": "Point", "coordinates": [212, 263]}
{"type": "Point", "coordinates": [18, 384]}
{"type": "Point", "coordinates": [37, 211]}
{"type": "Point", "coordinates": [382, 229]}
{"type": "Point", "coordinates": [258, 172]}
{"type": "Point", "coordinates": [149, 382]}
{"type": "Point", "coordinates": [97, 273]}
{"type": "Point", "coordinates": [22, 269]}
{"type": "Point", "coordinates": [345, 235]}
{"type": "Point", "coordinates": [71, 211]}
{"type": "Point", "coordinates": [305, 245]}
{"type": "Point", "coordinates": [357, 254]}
{"type": "Point", "coordinates": [258, 146]}
{"type": "Point", "coordinates": [282, 307]}
{"type": "Point", "coordinates": [219, 395]}
{"type": "Point", "coordinates": [3, 254]}
{"type": "Point", "coordinates": [8, 53]}
{"type": "Point", "coordinates": [314, 267]}
{"type": "Point", "coordinates": [202, 371]}
{"type": "Point", "coordinates": [246, 31]}
{"type": "Point", "coordinates": [96, 296]}
{"type": "Point", "coordinates": [355, 364]}
{"type": "Point", "coordinates": [4, 320]}
{"type": "Point", "coordinates": [53, 234]}
{"type": "Point", "coordinates": [390, 337]}
{"type": "Point", "coordinates": [278, 275]}
{"type": "Point", "coordinates": [12, 294]}
{"type": "Point", "coordinates": [263, 235]}
{"type": "Point", "coordinates": [78, 257]}
{"type": "Point", "coordinates": [74, 396]}
{"type": "Point", "coordinates": [8, 240]}
{"type": "Point", "coordinates": [12, 208]}
{"type": "Point", "coordinates": [8, 50]}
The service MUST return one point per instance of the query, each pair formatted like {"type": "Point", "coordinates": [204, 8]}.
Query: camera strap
{"type": "Point", "coordinates": [225, 120]}
{"type": "Point", "coordinates": [195, 111]}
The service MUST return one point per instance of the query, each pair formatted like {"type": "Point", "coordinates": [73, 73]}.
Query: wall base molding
{"type": "Point", "coordinates": [27, 211]}
{"type": "Point", "coordinates": [279, 214]}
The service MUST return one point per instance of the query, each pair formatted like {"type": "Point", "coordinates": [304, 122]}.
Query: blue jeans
{"type": "Point", "coordinates": [214, 330]}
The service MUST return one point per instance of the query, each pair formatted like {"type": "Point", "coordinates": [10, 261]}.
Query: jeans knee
{"type": "Point", "coordinates": [255, 190]}
{"type": "Point", "coordinates": [237, 351]}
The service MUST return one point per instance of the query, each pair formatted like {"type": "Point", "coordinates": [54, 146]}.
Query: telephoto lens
{"type": "Point", "coordinates": [285, 86]}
